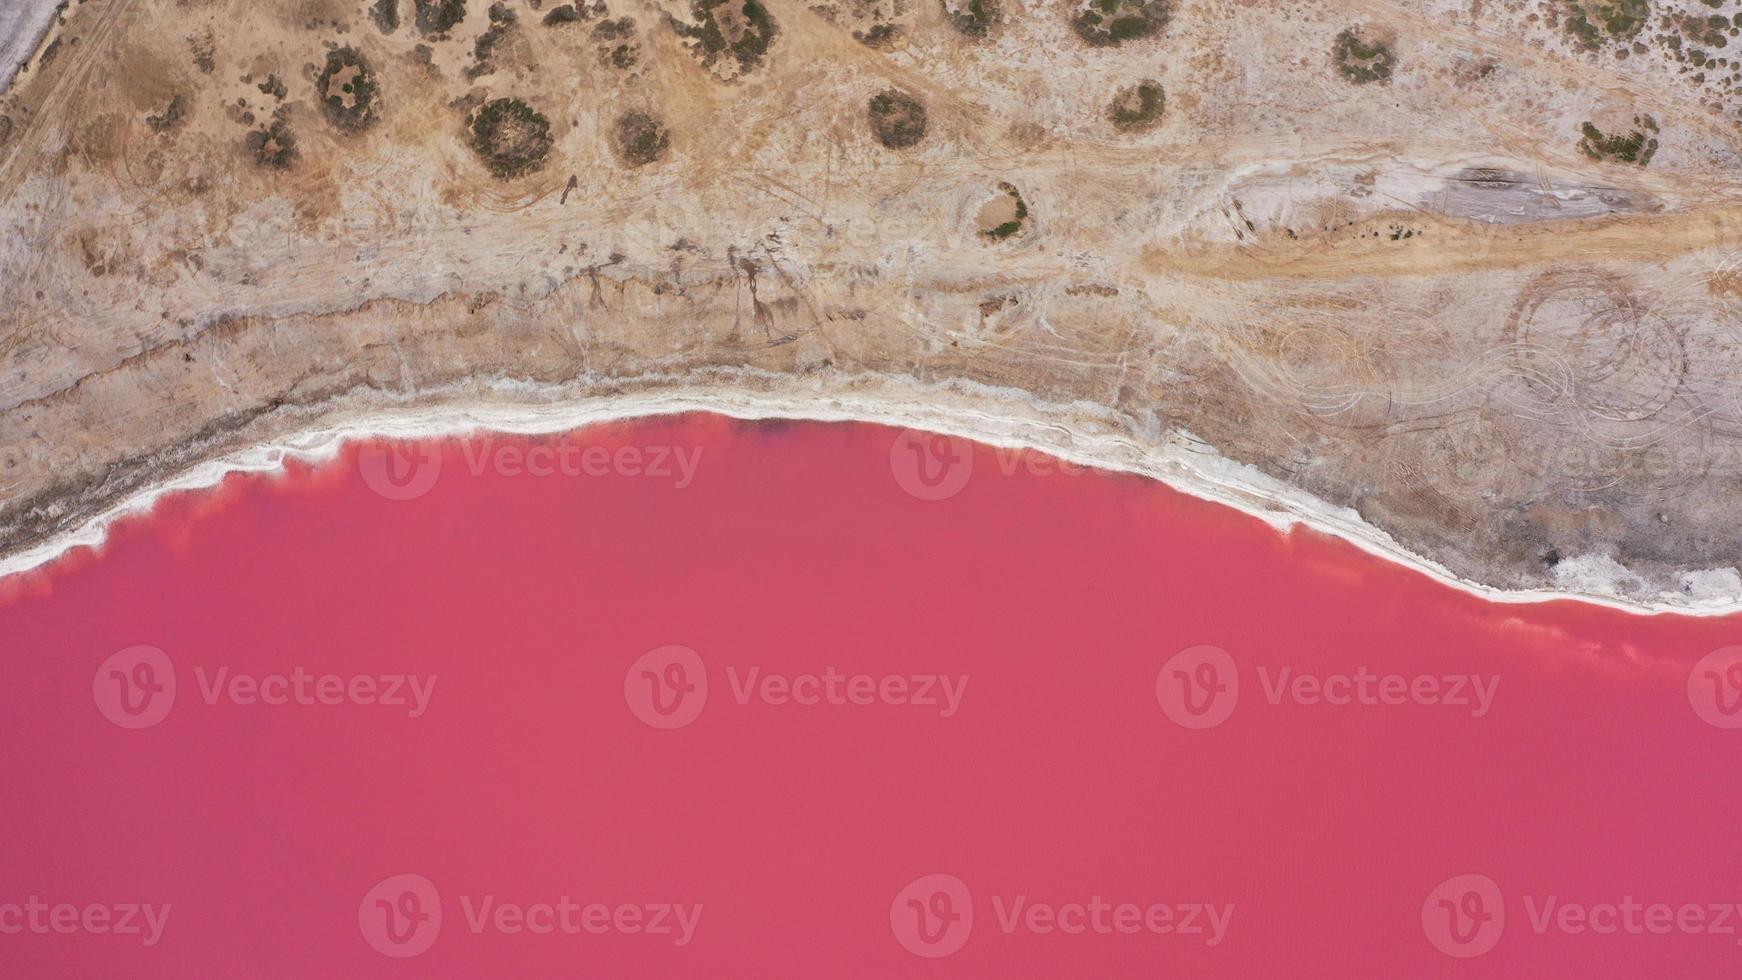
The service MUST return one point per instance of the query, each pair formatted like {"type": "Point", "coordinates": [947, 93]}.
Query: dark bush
{"type": "Point", "coordinates": [974, 19]}
{"type": "Point", "coordinates": [1138, 107]}
{"type": "Point", "coordinates": [1105, 23]}
{"type": "Point", "coordinates": [639, 139]}
{"type": "Point", "coordinates": [347, 90]}
{"type": "Point", "coordinates": [439, 16]}
{"type": "Point", "coordinates": [897, 119]}
{"type": "Point", "coordinates": [1362, 62]}
{"type": "Point", "coordinates": [511, 137]}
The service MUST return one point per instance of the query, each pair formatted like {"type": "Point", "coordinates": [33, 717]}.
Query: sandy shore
{"type": "Point", "coordinates": [1180, 462]}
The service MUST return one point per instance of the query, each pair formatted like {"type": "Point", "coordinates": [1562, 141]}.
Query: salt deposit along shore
{"type": "Point", "coordinates": [1181, 462]}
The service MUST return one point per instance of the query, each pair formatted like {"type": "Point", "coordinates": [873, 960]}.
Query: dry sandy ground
{"type": "Point", "coordinates": [1417, 296]}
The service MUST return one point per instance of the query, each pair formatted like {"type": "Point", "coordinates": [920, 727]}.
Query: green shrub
{"type": "Point", "coordinates": [1105, 23]}
{"type": "Point", "coordinates": [1638, 147]}
{"type": "Point", "coordinates": [974, 19]}
{"type": "Point", "coordinates": [897, 119]}
{"type": "Point", "coordinates": [639, 139]}
{"type": "Point", "coordinates": [511, 138]}
{"type": "Point", "coordinates": [751, 27]}
{"type": "Point", "coordinates": [347, 90]}
{"type": "Point", "coordinates": [435, 17]}
{"type": "Point", "coordinates": [1138, 107]}
{"type": "Point", "coordinates": [1362, 62]}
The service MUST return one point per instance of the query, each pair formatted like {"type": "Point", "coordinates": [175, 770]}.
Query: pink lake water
{"type": "Point", "coordinates": [694, 697]}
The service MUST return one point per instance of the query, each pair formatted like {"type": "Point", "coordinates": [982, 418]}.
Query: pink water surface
{"type": "Point", "coordinates": [1088, 758]}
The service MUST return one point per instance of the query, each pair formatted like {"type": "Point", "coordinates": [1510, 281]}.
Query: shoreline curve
{"type": "Point", "coordinates": [1181, 462]}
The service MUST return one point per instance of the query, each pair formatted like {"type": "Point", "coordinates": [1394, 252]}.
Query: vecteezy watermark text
{"type": "Point", "coordinates": [930, 466]}
{"type": "Point", "coordinates": [1465, 916]}
{"type": "Point", "coordinates": [1200, 686]}
{"type": "Point", "coordinates": [563, 458]}
{"type": "Point", "coordinates": [1205, 921]}
{"type": "Point", "coordinates": [408, 470]}
{"type": "Point", "coordinates": [401, 916]}
{"type": "Point", "coordinates": [933, 916]}
{"type": "Point", "coordinates": [1363, 687]}
{"type": "Point", "coordinates": [667, 687]}
{"type": "Point", "coordinates": [831, 687]}
{"type": "Point", "coordinates": [300, 687]}
{"type": "Point", "coordinates": [674, 920]}
{"type": "Point", "coordinates": [136, 688]}
{"type": "Point", "coordinates": [37, 917]}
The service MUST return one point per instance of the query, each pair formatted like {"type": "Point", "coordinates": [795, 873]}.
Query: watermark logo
{"type": "Point", "coordinates": [1715, 688]}
{"type": "Point", "coordinates": [408, 470]}
{"type": "Point", "coordinates": [304, 688]}
{"type": "Point", "coordinates": [676, 922]}
{"type": "Point", "coordinates": [940, 692]}
{"type": "Point", "coordinates": [135, 687]}
{"type": "Point", "coordinates": [667, 687]}
{"type": "Point", "coordinates": [131, 919]}
{"type": "Point", "coordinates": [1198, 687]}
{"type": "Point", "coordinates": [930, 466]}
{"type": "Point", "coordinates": [1464, 915]}
{"type": "Point", "coordinates": [401, 470]}
{"type": "Point", "coordinates": [401, 916]}
{"type": "Point", "coordinates": [1632, 917]}
{"type": "Point", "coordinates": [933, 916]}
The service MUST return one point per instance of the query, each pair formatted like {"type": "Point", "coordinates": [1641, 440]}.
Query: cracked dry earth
{"type": "Point", "coordinates": [1371, 247]}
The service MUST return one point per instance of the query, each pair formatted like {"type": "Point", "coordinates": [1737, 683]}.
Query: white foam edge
{"type": "Point", "coordinates": [976, 412]}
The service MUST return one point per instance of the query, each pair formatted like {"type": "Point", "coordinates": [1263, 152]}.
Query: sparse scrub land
{"type": "Point", "coordinates": [973, 18]}
{"type": "Point", "coordinates": [502, 21]}
{"type": "Point", "coordinates": [879, 36]}
{"type": "Point", "coordinates": [575, 13]}
{"type": "Point", "coordinates": [385, 14]}
{"type": "Point", "coordinates": [435, 18]}
{"type": "Point", "coordinates": [566, 14]}
{"type": "Point", "coordinates": [1360, 61]}
{"type": "Point", "coordinates": [204, 48]}
{"type": "Point", "coordinates": [897, 119]}
{"type": "Point", "coordinates": [729, 36]}
{"type": "Point", "coordinates": [1138, 107]}
{"type": "Point", "coordinates": [615, 39]}
{"type": "Point", "coordinates": [1637, 147]}
{"type": "Point", "coordinates": [510, 137]}
{"type": "Point", "coordinates": [1105, 23]}
{"type": "Point", "coordinates": [347, 90]}
{"type": "Point", "coordinates": [617, 46]}
{"type": "Point", "coordinates": [274, 146]}
{"type": "Point", "coordinates": [1592, 23]}
{"type": "Point", "coordinates": [170, 119]}
{"type": "Point", "coordinates": [1712, 32]}
{"type": "Point", "coordinates": [873, 23]}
